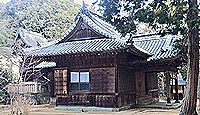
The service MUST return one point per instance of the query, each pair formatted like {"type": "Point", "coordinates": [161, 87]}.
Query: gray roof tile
{"type": "Point", "coordinates": [159, 47]}
{"type": "Point", "coordinates": [85, 46]}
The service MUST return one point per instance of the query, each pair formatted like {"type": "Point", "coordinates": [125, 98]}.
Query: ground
{"type": "Point", "coordinates": [46, 110]}
{"type": "Point", "coordinates": [50, 111]}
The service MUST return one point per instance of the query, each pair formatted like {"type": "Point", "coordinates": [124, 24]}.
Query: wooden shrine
{"type": "Point", "coordinates": [97, 67]}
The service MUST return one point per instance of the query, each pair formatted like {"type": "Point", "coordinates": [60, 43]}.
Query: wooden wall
{"type": "Point", "coordinates": [126, 86]}
{"type": "Point", "coordinates": [82, 31]}
{"type": "Point", "coordinates": [112, 84]}
{"type": "Point", "coordinates": [140, 84]}
{"type": "Point", "coordinates": [102, 89]}
{"type": "Point", "coordinates": [60, 81]}
{"type": "Point", "coordinates": [102, 80]}
{"type": "Point", "coordinates": [151, 82]}
{"type": "Point", "coordinates": [82, 61]}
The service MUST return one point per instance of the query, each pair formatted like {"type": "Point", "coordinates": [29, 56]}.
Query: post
{"type": "Point", "coordinates": [176, 90]}
{"type": "Point", "coordinates": [167, 75]}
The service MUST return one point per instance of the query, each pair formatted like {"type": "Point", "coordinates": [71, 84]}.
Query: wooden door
{"type": "Point", "coordinates": [60, 81]}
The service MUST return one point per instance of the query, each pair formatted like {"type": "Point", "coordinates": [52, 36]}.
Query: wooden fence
{"type": "Point", "coordinates": [24, 87]}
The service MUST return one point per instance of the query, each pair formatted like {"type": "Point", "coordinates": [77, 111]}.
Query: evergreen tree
{"type": "Point", "coordinates": [49, 17]}
{"type": "Point", "coordinates": [165, 17]}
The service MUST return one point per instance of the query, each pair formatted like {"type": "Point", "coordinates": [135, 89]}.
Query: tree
{"type": "Point", "coordinates": [164, 17]}
{"type": "Point", "coordinates": [22, 91]}
{"type": "Point", "coordinates": [189, 102]}
{"type": "Point", "coordinates": [5, 78]}
{"type": "Point", "coordinates": [48, 17]}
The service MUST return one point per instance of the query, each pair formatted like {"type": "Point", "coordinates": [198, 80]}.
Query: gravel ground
{"type": "Point", "coordinates": [45, 110]}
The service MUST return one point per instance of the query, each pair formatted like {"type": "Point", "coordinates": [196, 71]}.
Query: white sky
{"type": "Point", "coordinates": [86, 1]}
{"type": "Point", "coordinates": [4, 1]}
{"type": "Point", "coordinates": [76, 1]}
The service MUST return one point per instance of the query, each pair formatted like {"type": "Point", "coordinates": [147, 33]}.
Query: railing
{"type": "Point", "coordinates": [153, 93]}
{"type": "Point", "coordinates": [24, 87]}
{"type": "Point", "coordinates": [93, 99]}
{"type": "Point", "coordinates": [87, 100]}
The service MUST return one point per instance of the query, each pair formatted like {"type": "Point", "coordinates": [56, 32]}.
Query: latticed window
{"type": "Point", "coordinates": [60, 80]}
{"type": "Point", "coordinates": [79, 81]}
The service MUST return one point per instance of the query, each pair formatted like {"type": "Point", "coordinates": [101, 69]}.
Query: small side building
{"type": "Point", "coordinates": [28, 40]}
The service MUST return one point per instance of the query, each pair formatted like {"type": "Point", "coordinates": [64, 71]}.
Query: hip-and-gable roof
{"type": "Point", "coordinates": [89, 33]}
{"type": "Point", "coordinates": [160, 47]}
{"type": "Point", "coordinates": [88, 24]}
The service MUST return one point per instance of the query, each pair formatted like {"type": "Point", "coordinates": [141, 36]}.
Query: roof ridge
{"type": "Point", "coordinates": [31, 32]}
{"type": "Point", "coordinates": [93, 21]}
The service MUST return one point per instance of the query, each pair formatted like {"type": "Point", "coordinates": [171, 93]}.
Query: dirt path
{"type": "Point", "coordinates": [52, 111]}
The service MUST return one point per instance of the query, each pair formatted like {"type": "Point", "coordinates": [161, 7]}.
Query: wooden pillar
{"type": "Point", "coordinates": [167, 75]}
{"type": "Point", "coordinates": [172, 95]}
{"type": "Point", "coordinates": [176, 90]}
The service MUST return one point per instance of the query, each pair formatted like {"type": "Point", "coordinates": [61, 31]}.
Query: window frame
{"type": "Point", "coordinates": [79, 82]}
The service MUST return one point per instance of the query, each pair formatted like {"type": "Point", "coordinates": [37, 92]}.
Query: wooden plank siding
{"type": "Point", "coordinates": [102, 90]}
{"type": "Point", "coordinates": [151, 84]}
{"type": "Point", "coordinates": [126, 86]}
{"type": "Point", "coordinates": [95, 60]}
{"type": "Point", "coordinates": [88, 99]}
{"type": "Point", "coordinates": [102, 80]}
{"type": "Point", "coordinates": [81, 31]}
{"type": "Point", "coordinates": [111, 84]}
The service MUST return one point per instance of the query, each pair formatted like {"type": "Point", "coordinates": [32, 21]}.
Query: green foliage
{"type": "Point", "coordinates": [121, 14]}
{"type": "Point", "coordinates": [180, 47]}
{"type": "Point", "coordinates": [49, 17]}
{"type": "Point", "coordinates": [162, 16]}
{"type": "Point", "coordinates": [5, 78]}
{"type": "Point", "coordinates": [183, 71]}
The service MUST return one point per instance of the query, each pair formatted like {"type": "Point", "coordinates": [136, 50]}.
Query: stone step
{"type": "Point", "coordinates": [146, 100]}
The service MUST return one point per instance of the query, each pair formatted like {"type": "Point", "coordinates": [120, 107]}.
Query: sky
{"type": "Point", "coordinates": [4, 1]}
{"type": "Point", "coordinates": [76, 1]}
{"type": "Point", "coordinates": [86, 1]}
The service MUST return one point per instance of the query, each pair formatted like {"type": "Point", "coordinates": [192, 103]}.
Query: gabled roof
{"type": "Point", "coordinates": [31, 39]}
{"type": "Point", "coordinates": [159, 47]}
{"type": "Point", "coordinates": [6, 52]}
{"type": "Point", "coordinates": [87, 19]}
{"type": "Point", "coordinates": [108, 38]}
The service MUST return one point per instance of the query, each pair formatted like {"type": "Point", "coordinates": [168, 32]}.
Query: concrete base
{"type": "Point", "coordinates": [168, 104]}
{"type": "Point", "coordinates": [87, 109]}
{"type": "Point", "coordinates": [162, 105]}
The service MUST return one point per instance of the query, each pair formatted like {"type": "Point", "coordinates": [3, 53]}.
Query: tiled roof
{"type": "Point", "coordinates": [111, 40]}
{"type": "Point", "coordinates": [85, 46]}
{"type": "Point", "coordinates": [6, 52]}
{"type": "Point", "coordinates": [159, 47]}
{"type": "Point", "coordinates": [31, 39]}
{"type": "Point", "coordinates": [95, 22]}
{"type": "Point", "coordinates": [45, 64]}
